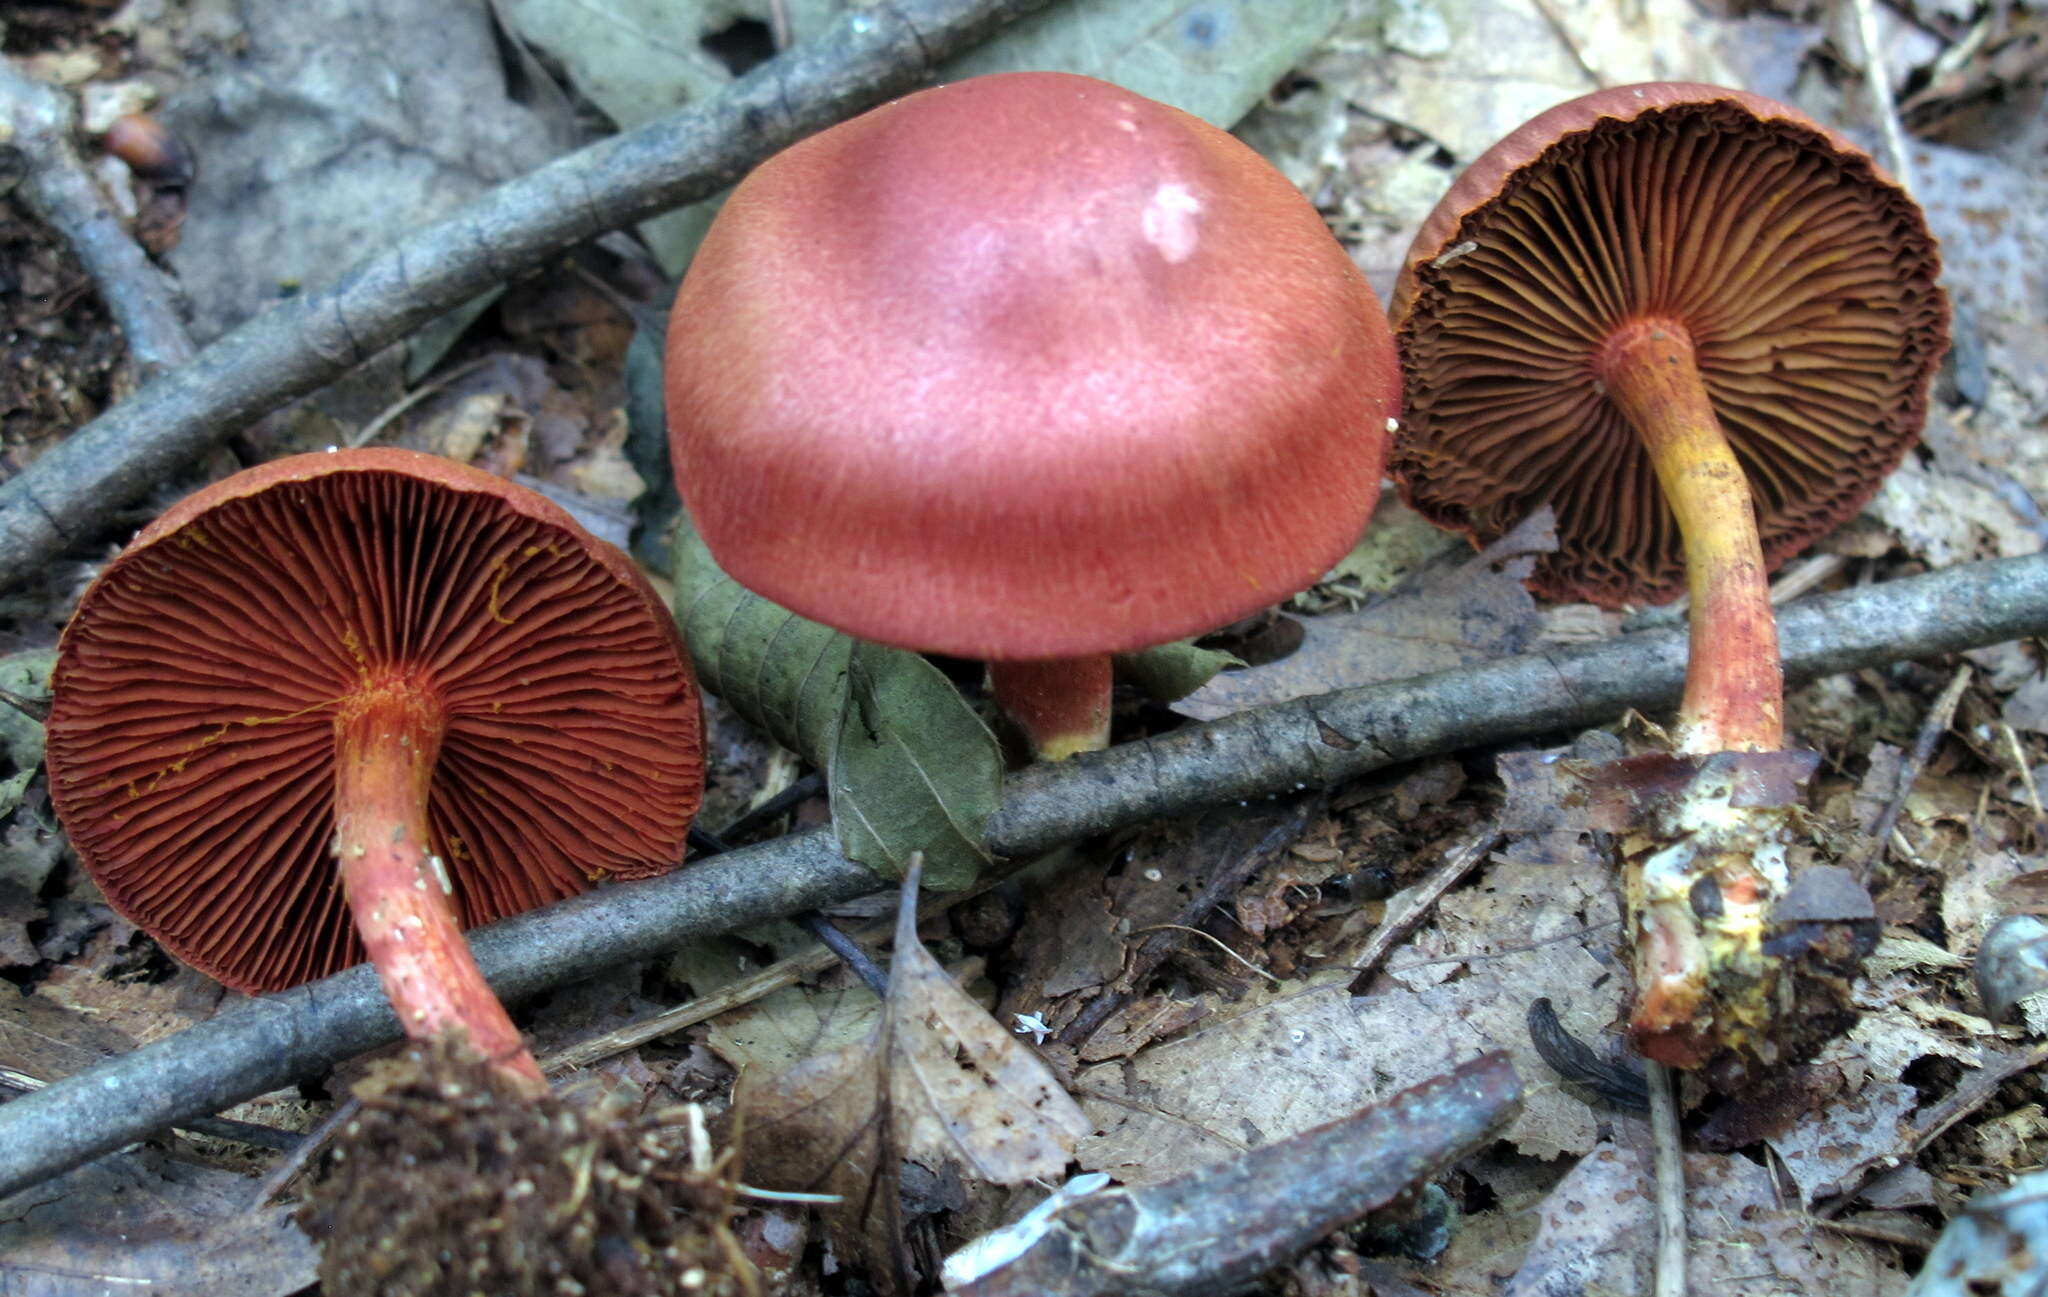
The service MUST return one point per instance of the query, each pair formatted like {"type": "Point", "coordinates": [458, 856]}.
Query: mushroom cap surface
{"type": "Point", "coordinates": [191, 742]}
{"type": "Point", "coordinates": [1805, 276]}
{"type": "Point", "coordinates": [1026, 366]}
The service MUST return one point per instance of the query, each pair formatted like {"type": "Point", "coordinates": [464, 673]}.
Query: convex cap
{"type": "Point", "coordinates": [1026, 367]}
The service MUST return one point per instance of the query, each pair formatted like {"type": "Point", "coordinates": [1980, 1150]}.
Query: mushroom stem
{"type": "Point", "coordinates": [1702, 979]}
{"type": "Point", "coordinates": [387, 738]}
{"type": "Point", "coordinates": [1062, 705]}
{"type": "Point", "coordinates": [1734, 686]}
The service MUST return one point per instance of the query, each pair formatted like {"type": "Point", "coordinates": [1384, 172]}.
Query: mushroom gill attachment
{"type": "Point", "coordinates": [1026, 368]}
{"type": "Point", "coordinates": [1803, 278]}
{"type": "Point", "coordinates": [1702, 329]}
{"type": "Point", "coordinates": [374, 679]}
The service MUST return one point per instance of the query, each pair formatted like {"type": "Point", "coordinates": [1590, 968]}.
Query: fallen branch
{"type": "Point", "coordinates": [60, 189]}
{"type": "Point", "coordinates": [273, 1041]}
{"type": "Point", "coordinates": [874, 52]}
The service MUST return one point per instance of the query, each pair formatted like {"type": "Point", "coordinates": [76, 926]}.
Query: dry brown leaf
{"type": "Point", "coordinates": [782, 1029]}
{"type": "Point", "coordinates": [1851, 1133]}
{"type": "Point", "coordinates": [1597, 1237]}
{"type": "Point", "coordinates": [133, 1224]}
{"type": "Point", "coordinates": [938, 1082]}
{"type": "Point", "coordinates": [1470, 614]}
{"type": "Point", "coordinates": [1972, 889]}
{"type": "Point", "coordinates": [1284, 1059]}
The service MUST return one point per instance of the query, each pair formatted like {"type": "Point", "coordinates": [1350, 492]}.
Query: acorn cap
{"type": "Point", "coordinates": [1805, 275]}
{"type": "Point", "coordinates": [1026, 366]}
{"type": "Point", "coordinates": [191, 739]}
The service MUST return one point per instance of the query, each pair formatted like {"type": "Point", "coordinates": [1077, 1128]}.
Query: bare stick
{"type": "Point", "coordinates": [273, 1041]}
{"type": "Point", "coordinates": [1877, 80]}
{"type": "Point", "coordinates": [1936, 724]}
{"type": "Point", "coordinates": [1669, 1160]}
{"type": "Point", "coordinates": [874, 52]}
{"type": "Point", "coordinates": [1463, 857]}
{"type": "Point", "coordinates": [36, 709]}
{"type": "Point", "coordinates": [781, 973]}
{"type": "Point", "coordinates": [61, 190]}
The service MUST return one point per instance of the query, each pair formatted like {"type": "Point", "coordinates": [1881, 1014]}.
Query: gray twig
{"type": "Point", "coordinates": [60, 189]}
{"type": "Point", "coordinates": [874, 52]}
{"type": "Point", "coordinates": [1668, 1159]}
{"type": "Point", "coordinates": [1877, 83]}
{"type": "Point", "coordinates": [1264, 752]}
{"type": "Point", "coordinates": [1939, 717]}
{"type": "Point", "coordinates": [1217, 1229]}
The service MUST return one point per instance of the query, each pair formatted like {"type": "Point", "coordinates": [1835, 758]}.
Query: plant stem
{"type": "Point", "coordinates": [1062, 704]}
{"type": "Point", "coordinates": [1734, 687]}
{"type": "Point", "coordinates": [387, 738]}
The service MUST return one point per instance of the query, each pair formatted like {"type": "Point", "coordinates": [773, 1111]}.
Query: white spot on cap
{"type": "Point", "coordinates": [1169, 222]}
{"type": "Point", "coordinates": [1393, 425]}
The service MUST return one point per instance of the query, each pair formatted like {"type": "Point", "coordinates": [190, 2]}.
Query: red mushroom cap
{"type": "Point", "coordinates": [1805, 276]}
{"type": "Point", "coordinates": [192, 732]}
{"type": "Point", "coordinates": [1026, 366]}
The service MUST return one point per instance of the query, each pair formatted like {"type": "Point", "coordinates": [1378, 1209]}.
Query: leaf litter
{"type": "Point", "coordinates": [1372, 124]}
{"type": "Point", "coordinates": [937, 1082]}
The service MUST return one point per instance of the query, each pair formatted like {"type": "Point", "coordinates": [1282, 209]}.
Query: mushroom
{"type": "Point", "coordinates": [374, 682]}
{"type": "Point", "coordinates": [1702, 328]}
{"type": "Point", "coordinates": [1030, 369]}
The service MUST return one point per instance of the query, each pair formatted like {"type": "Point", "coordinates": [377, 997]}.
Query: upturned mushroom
{"type": "Point", "coordinates": [369, 683]}
{"type": "Point", "coordinates": [1702, 328]}
{"type": "Point", "coordinates": [1030, 369]}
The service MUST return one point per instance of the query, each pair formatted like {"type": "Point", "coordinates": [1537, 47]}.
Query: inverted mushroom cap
{"type": "Point", "coordinates": [192, 732]}
{"type": "Point", "coordinates": [1026, 366]}
{"type": "Point", "coordinates": [1805, 276]}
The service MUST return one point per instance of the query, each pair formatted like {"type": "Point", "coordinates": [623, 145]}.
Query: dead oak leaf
{"type": "Point", "coordinates": [939, 1082]}
{"type": "Point", "coordinates": [1473, 613]}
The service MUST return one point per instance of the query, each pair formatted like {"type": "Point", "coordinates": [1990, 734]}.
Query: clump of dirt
{"type": "Point", "coordinates": [453, 1181]}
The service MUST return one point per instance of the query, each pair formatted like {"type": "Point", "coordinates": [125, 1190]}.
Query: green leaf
{"type": "Point", "coordinates": [647, 444]}
{"type": "Point", "coordinates": [21, 739]}
{"type": "Point", "coordinates": [905, 774]}
{"type": "Point", "coordinates": [909, 765]}
{"type": "Point", "coordinates": [1170, 672]}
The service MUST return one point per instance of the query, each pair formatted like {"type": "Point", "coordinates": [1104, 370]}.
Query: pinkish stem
{"type": "Point", "coordinates": [387, 738]}
{"type": "Point", "coordinates": [1062, 705]}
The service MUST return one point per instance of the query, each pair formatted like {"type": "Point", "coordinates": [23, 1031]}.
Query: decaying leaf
{"type": "Point", "coordinates": [939, 1083]}
{"type": "Point", "coordinates": [1469, 614]}
{"type": "Point", "coordinates": [1598, 1236]}
{"type": "Point", "coordinates": [148, 1225]}
{"type": "Point", "coordinates": [1845, 1137]}
{"type": "Point", "coordinates": [780, 1030]}
{"type": "Point", "coordinates": [1285, 1058]}
{"type": "Point", "coordinates": [909, 764]}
